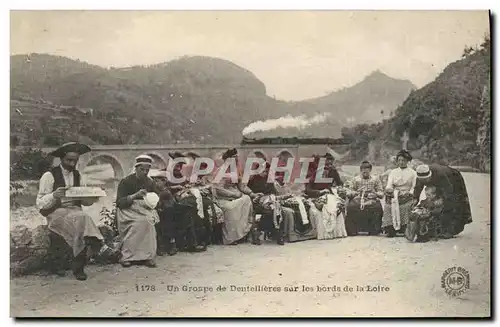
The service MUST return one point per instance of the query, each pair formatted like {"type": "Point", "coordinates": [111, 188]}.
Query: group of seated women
{"type": "Point", "coordinates": [193, 214]}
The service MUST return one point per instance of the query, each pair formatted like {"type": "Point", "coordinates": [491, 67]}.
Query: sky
{"type": "Point", "coordinates": [296, 54]}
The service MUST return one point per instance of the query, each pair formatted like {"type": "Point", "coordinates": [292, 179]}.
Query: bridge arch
{"type": "Point", "coordinates": [283, 156]}
{"type": "Point", "coordinates": [284, 153]}
{"type": "Point", "coordinates": [95, 169]}
{"type": "Point", "coordinates": [258, 153]}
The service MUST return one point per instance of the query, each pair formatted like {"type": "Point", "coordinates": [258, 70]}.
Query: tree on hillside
{"type": "Point", "coordinates": [448, 120]}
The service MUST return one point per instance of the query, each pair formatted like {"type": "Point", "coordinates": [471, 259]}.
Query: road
{"type": "Point", "coordinates": [406, 277]}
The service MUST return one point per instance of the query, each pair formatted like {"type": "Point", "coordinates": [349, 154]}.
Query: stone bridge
{"type": "Point", "coordinates": [121, 157]}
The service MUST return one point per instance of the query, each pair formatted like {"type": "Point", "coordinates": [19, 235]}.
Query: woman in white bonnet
{"type": "Point", "coordinates": [135, 217]}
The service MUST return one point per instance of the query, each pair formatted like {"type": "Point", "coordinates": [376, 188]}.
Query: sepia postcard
{"type": "Point", "coordinates": [250, 164]}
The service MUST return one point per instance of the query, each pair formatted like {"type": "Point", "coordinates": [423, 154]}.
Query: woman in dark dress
{"type": "Point", "coordinates": [449, 182]}
{"type": "Point", "coordinates": [136, 221]}
{"type": "Point", "coordinates": [165, 229]}
{"type": "Point", "coordinates": [190, 228]}
{"type": "Point", "coordinates": [364, 211]}
{"type": "Point", "coordinates": [328, 201]}
{"type": "Point", "coordinates": [268, 205]}
{"type": "Point", "coordinates": [235, 199]}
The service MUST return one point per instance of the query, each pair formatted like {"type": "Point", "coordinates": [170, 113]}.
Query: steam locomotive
{"type": "Point", "coordinates": [294, 140]}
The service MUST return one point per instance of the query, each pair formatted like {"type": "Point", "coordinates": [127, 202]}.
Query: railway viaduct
{"type": "Point", "coordinates": [121, 157]}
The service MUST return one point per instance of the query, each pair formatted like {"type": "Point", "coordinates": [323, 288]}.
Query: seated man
{"type": "Point", "coordinates": [364, 211]}
{"type": "Point", "coordinates": [68, 224]}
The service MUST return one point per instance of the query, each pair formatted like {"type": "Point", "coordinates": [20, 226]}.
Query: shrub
{"type": "Point", "coordinates": [28, 164]}
{"type": "Point", "coordinates": [108, 218]}
{"type": "Point", "coordinates": [16, 189]}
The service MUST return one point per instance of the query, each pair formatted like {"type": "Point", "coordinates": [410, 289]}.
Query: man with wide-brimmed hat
{"type": "Point", "coordinates": [68, 224]}
{"type": "Point", "coordinates": [450, 185]}
{"type": "Point", "coordinates": [135, 217]}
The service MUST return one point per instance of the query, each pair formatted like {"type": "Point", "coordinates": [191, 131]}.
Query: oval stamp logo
{"type": "Point", "coordinates": [455, 281]}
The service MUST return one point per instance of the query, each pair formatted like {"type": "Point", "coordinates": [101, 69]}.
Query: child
{"type": "Point", "coordinates": [425, 217]}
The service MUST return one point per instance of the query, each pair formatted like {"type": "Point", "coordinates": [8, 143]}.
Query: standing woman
{"type": "Point", "coordinates": [136, 220]}
{"type": "Point", "coordinates": [399, 195]}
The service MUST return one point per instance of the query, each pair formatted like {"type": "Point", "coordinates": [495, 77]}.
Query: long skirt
{"type": "Point", "coordinates": [329, 218]}
{"type": "Point", "coordinates": [457, 213]}
{"type": "Point", "coordinates": [238, 218]}
{"type": "Point", "coordinates": [136, 226]}
{"type": "Point", "coordinates": [297, 227]}
{"type": "Point", "coordinates": [74, 226]}
{"type": "Point", "coordinates": [366, 219]}
{"type": "Point", "coordinates": [271, 210]}
{"type": "Point", "coordinates": [166, 229]}
{"type": "Point", "coordinates": [214, 219]}
{"type": "Point", "coordinates": [405, 206]}
{"type": "Point", "coordinates": [191, 227]}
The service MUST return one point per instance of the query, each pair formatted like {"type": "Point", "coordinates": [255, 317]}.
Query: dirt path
{"type": "Point", "coordinates": [411, 272]}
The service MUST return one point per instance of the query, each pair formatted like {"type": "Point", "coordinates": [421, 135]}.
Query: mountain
{"type": "Point", "coordinates": [447, 120]}
{"type": "Point", "coordinates": [191, 99]}
{"type": "Point", "coordinates": [371, 100]}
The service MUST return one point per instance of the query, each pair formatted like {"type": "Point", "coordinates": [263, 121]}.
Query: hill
{"type": "Point", "coordinates": [447, 121]}
{"type": "Point", "coordinates": [185, 99]}
{"type": "Point", "coordinates": [191, 99]}
{"type": "Point", "coordinates": [371, 100]}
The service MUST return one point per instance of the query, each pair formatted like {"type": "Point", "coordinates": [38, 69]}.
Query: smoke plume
{"type": "Point", "coordinates": [287, 121]}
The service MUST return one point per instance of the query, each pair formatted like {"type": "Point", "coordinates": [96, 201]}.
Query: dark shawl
{"type": "Point", "coordinates": [130, 185]}
{"type": "Point", "coordinates": [450, 185]}
{"type": "Point", "coordinates": [313, 188]}
{"type": "Point", "coordinates": [259, 184]}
